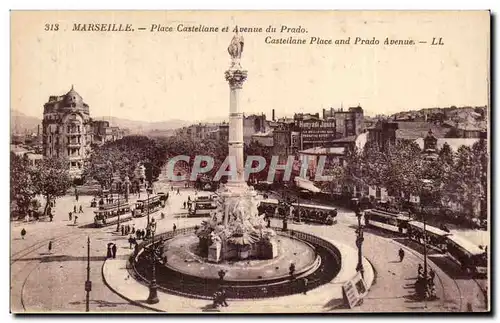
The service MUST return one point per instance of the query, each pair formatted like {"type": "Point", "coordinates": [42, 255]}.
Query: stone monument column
{"type": "Point", "coordinates": [236, 76]}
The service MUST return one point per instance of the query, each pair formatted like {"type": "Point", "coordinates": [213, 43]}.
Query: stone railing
{"type": "Point", "coordinates": [191, 286]}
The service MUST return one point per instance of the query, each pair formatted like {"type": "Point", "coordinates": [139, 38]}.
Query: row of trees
{"type": "Point", "coordinates": [49, 179]}
{"type": "Point", "coordinates": [120, 158]}
{"type": "Point", "coordinates": [458, 178]}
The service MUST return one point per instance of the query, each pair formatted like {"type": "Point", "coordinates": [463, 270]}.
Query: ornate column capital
{"type": "Point", "coordinates": [236, 78]}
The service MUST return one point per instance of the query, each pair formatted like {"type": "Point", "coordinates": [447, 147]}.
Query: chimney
{"type": "Point", "coordinates": [273, 115]}
{"type": "Point", "coordinates": [324, 113]}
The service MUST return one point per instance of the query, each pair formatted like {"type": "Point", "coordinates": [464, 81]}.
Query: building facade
{"type": "Point", "coordinates": [67, 130]}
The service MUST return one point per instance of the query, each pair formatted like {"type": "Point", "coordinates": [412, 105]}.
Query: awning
{"type": "Point", "coordinates": [306, 185]}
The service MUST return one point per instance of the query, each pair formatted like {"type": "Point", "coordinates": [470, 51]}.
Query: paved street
{"type": "Point", "coordinates": [63, 271]}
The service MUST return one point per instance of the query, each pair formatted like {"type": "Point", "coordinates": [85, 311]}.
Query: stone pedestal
{"type": "Point", "coordinates": [214, 252]}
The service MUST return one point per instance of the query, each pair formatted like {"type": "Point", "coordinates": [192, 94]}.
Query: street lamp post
{"type": "Point", "coordinates": [153, 288]}
{"type": "Point", "coordinates": [88, 283]}
{"type": "Point", "coordinates": [359, 240]}
{"type": "Point", "coordinates": [147, 207]}
{"type": "Point", "coordinates": [118, 210]}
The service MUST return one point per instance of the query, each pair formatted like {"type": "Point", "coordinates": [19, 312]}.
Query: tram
{"type": "Point", "coordinates": [314, 213]}
{"type": "Point", "coordinates": [268, 206]}
{"type": "Point", "coordinates": [437, 238]}
{"type": "Point", "coordinates": [109, 214]}
{"type": "Point", "coordinates": [473, 259]}
{"type": "Point", "coordinates": [202, 207]}
{"type": "Point", "coordinates": [153, 204]}
{"type": "Point", "coordinates": [395, 222]}
{"type": "Point", "coordinates": [301, 212]}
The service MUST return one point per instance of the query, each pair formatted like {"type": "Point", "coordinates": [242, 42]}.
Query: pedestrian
{"type": "Point", "coordinates": [401, 254]}
{"type": "Point", "coordinates": [81, 209]}
{"type": "Point", "coordinates": [70, 216]}
{"type": "Point", "coordinates": [268, 222]}
{"type": "Point", "coordinates": [216, 299]}
{"type": "Point", "coordinates": [50, 246]}
{"type": "Point", "coordinates": [304, 285]}
{"type": "Point", "coordinates": [23, 233]}
{"type": "Point", "coordinates": [162, 215]}
{"type": "Point", "coordinates": [123, 230]}
{"type": "Point", "coordinates": [74, 209]}
{"type": "Point", "coordinates": [109, 254]}
{"type": "Point", "coordinates": [113, 250]}
{"type": "Point", "coordinates": [223, 297]}
{"type": "Point", "coordinates": [420, 269]}
{"type": "Point", "coordinates": [432, 274]}
{"type": "Point", "coordinates": [133, 228]}
{"type": "Point", "coordinates": [184, 204]}
{"type": "Point", "coordinates": [174, 227]}
{"type": "Point", "coordinates": [130, 241]}
{"type": "Point", "coordinates": [76, 219]}
{"type": "Point", "coordinates": [178, 191]}
{"type": "Point", "coordinates": [51, 216]}
{"type": "Point", "coordinates": [76, 197]}
{"type": "Point", "coordinates": [189, 198]}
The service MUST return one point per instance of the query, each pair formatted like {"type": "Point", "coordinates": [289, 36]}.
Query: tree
{"type": "Point", "coordinates": [21, 185]}
{"type": "Point", "coordinates": [51, 179]}
{"type": "Point", "coordinates": [467, 184]}
{"type": "Point", "coordinates": [121, 158]}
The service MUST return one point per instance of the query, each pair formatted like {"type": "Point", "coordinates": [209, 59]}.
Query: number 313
{"type": "Point", "coordinates": [51, 27]}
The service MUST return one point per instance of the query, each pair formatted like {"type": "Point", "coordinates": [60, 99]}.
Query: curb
{"type": "Point", "coordinates": [124, 297]}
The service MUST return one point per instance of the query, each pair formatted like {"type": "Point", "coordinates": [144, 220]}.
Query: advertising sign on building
{"type": "Point", "coordinates": [317, 132]}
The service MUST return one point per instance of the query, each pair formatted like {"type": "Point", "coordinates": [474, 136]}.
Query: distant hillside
{"type": "Point", "coordinates": [144, 127]}
{"type": "Point", "coordinates": [21, 123]}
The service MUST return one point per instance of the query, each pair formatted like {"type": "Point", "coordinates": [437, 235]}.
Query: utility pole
{"type": "Point", "coordinates": [118, 211]}
{"type": "Point", "coordinates": [88, 283]}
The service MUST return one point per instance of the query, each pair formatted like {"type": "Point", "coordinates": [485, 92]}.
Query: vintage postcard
{"type": "Point", "coordinates": [250, 162]}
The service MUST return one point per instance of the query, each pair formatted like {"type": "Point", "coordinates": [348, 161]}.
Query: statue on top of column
{"type": "Point", "coordinates": [235, 48]}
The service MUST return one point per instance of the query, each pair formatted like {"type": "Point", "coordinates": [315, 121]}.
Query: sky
{"type": "Point", "coordinates": [157, 76]}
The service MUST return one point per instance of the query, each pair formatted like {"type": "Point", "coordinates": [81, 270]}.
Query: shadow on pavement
{"type": "Point", "coordinates": [86, 226]}
{"type": "Point", "coordinates": [377, 232]}
{"type": "Point", "coordinates": [336, 304]}
{"type": "Point", "coordinates": [100, 303]}
{"type": "Point", "coordinates": [62, 258]}
{"type": "Point", "coordinates": [443, 261]}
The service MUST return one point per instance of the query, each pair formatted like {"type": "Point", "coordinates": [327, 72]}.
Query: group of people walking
{"type": "Point", "coordinates": [220, 298]}
{"type": "Point", "coordinates": [424, 286]}
{"type": "Point", "coordinates": [127, 229]}
{"type": "Point", "coordinates": [111, 253]}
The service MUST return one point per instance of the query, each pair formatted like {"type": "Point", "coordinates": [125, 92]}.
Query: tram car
{"type": "Point", "coordinates": [149, 205]}
{"type": "Point", "coordinates": [392, 221]}
{"type": "Point", "coordinates": [470, 256]}
{"type": "Point", "coordinates": [109, 214]}
{"type": "Point", "coordinates": [202, 207]}
{"type": "Point", "coordinates": [436, 238]}
{"type": "Point", "coordinates": [314, 213]}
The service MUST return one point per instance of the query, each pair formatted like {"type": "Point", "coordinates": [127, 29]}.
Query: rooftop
{"type": "Point", "coordinates": [415, 129]}
{"type": "Point", "coordinates": [454, 143]}
{"type": "Point", "coordinates": [324, 151]}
